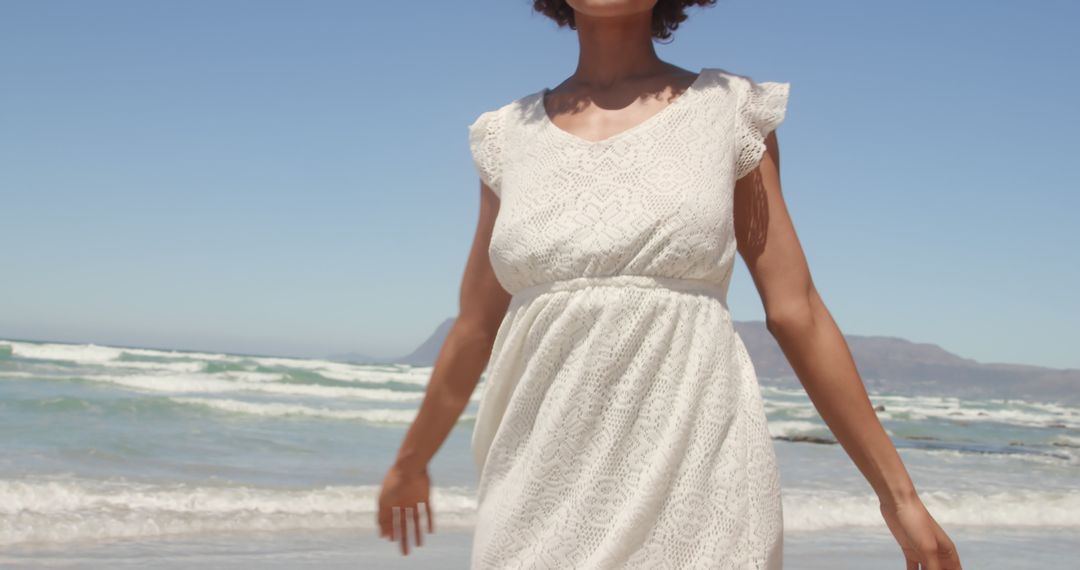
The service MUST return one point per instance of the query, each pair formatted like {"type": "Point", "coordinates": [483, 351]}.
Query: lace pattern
{"type": "Point", "coordinates": [761, 111]}
{"type": "Point", "coordinates": [485, 146]}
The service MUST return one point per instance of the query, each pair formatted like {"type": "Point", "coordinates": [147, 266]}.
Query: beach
{"type": "Point", "coordinates": [132, 457]}
{"type": "Point", "coordinates": [854, 550]}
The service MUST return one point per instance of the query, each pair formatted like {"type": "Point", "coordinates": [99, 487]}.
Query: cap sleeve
{"type": "Point", "coordinates": [761, 110]}
{"type": "Point", "coordinates": [485, 144]}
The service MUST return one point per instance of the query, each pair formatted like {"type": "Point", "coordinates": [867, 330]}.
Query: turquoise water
{"type": "Point", "coordinates": [102, 443]}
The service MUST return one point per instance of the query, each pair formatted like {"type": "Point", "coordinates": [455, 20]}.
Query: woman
{"type": "Point", "coordinates": [621, 424]}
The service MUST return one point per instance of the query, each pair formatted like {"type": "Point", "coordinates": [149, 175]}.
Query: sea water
{"type": "Point", "coordinates": [133, 457]}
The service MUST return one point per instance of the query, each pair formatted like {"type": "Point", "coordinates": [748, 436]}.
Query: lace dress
{"type": "Point", "coordinates": [620, 423]}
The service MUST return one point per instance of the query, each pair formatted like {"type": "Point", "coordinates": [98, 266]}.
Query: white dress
{"type": "Point", "coordinates": [621, 423]}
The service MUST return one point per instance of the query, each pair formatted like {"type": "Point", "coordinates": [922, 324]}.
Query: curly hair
{"type": "Point", "coordinates": [666, 15]}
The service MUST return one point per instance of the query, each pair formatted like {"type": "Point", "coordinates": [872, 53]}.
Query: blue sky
{"type": "Point", "coordinates": [294, 177]}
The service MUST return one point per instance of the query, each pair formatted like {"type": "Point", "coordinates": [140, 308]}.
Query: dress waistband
{"type": "Point", "coordinates": [684, 284]}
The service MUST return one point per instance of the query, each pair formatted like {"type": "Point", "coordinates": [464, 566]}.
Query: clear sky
{"type": "Point", "coordinates": [294, 178]}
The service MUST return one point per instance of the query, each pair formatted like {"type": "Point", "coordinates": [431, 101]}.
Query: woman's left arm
{"type": "Point", "coordinates": [797, 318]}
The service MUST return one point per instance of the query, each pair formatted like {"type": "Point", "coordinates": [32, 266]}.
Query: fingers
{"type": "Point", "coordinates": [912, 564]}
{"type": "Point", "coordinates": [385, 523]}
{"type": "Point", "coordinates": [399, 535]}
{"type": "Point", "coordinates": [404, 530]}
{"type": "Point", "coordinates": [394, 524]}
{"type": "Point", "coordinates": [416, 524]}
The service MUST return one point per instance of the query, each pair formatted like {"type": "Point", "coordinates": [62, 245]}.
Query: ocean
{"type": "Point", "coordinates": [132, 457]}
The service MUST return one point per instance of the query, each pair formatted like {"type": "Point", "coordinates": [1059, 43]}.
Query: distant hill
{"type": "Point", "coordinates": [885, 363]}
{"type": "Point", "coordinates": [423, 355]}
{"type": "Point", "coordinates": [898, 365]}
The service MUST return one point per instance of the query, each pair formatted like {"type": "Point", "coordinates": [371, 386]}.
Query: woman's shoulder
{"type": "Point", "coordinates": [488, 134]}
{"type": "Point", "coordinates": [504, 112]}
{"type": "Point", "coordinates": [734, 80]}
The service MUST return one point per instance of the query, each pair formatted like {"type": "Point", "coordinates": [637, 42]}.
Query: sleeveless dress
{"type": "Point", "coordinates": [620, 423]}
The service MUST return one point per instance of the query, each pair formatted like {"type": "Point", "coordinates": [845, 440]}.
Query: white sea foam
{"type": "Point", "coordinates": [178, 366]}
{"type": "Point", "coordinates": [81, 509]}
{"type": "Point", "coordinates": [65, 510]}
{"type": "Point", "coordinates": [1068, 440]}
{"type": "Point", "coordinates": [776, 404]}
{"type": "Point", "coordinates": [796, 427]}
{"type": "Point", "coordinates": [781, 391]}
{"type": "Point", "coordinates": [1058, 457]}
{"type": "Point", "coordinates": [18, 374]}
{"type": "Point", "coordinates": [189, 377]}
{"type": "Point", "coordinates": [822, 509]}
{"type": "Point", "coordinates": [347, 372]}
{"type": "Point", "coordinates": [79, 353]}
{"type": "Point", "coordinates": [273, 409]}
{"type": "Point", "coordinates": [177, 361]}
{"type": "Point", "coordinates": [159, 353]}
{"type": "Point", "coordinates": [250, 376]}
{"type": "Point", "coordinates": [968, 413]}
{"type": "Point", "coordinates": [948, 408]}
{"type": "Point", "coordinates": [111, 355]}
{"type": "Point", "coordinates": [205, 383]}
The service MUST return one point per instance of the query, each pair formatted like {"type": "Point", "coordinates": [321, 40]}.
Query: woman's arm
{"type": "Point", "coordinates": [811, 341]}
{"type": "Point", "coordinates": [461, 361]}
{"type": "Point", "coordinates": [803, 327]}
{"type": "Point", "coordinates": [482, 303]}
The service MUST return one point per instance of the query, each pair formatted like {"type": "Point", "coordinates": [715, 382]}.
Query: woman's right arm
{"type": "Point", "coordinates": [456, 372]}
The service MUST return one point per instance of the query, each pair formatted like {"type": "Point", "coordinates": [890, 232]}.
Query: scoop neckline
{"type": "Point", "coordinates": [551, 126]}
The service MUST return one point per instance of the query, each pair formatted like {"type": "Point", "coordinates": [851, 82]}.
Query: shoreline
{"type": "Point", "coordinates": [986, 548]}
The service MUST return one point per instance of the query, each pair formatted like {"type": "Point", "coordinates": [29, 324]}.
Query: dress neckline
{"type": "Point", "coordinates": [655, 117]}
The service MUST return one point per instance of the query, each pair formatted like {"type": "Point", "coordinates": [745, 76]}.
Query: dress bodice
{"type": "Point", "coordinates": [653, 200]}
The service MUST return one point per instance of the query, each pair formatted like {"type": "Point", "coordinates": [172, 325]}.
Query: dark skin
{"type": "Point", "coordinates": [620, 82]}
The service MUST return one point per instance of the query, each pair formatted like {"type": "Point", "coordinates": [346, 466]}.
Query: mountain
{"type": "Point", "coordinates": [885, 363]}
{"type": "Point", "coordinates": [897, 365]}
{"type": "Point", "coordinates": [423, 355]}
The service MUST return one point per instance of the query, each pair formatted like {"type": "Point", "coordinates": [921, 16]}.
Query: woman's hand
{"type": "Point", "coordinates": [402, 493]}
{"type": "Point", "coordinates": [920, 537]}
